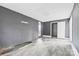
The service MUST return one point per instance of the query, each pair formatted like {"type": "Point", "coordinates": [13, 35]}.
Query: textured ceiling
{"type": "Point", "coordinates": [42, 11]}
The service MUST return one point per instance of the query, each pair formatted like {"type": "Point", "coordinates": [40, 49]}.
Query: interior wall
{"type": "Point", "coordinates": [41, 29]}
{"type": "Point", "coordinates": [12, 31]}
{"type": "Point", "coordinates": [67, 35]}
{"type": "Point", "coordinates": [75, 26]}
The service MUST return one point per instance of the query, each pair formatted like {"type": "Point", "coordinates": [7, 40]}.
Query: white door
{"type": "Point", "coordinates": [61, 30]}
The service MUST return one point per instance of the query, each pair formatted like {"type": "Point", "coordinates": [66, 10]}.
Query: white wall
{"type": "Point", "coordinates": [61, 30]}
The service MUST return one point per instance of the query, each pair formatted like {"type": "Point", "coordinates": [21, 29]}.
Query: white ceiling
{"type": "Point", "coordinates": [42, 11]}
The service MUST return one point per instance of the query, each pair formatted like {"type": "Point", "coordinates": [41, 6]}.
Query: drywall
{"type": "Point", "coordinates": [67, 35]}
{"type": "Point", "coordinates": [41, 29]}
{"type": "Point", "coordinates": [12, 31]}
{"type": "Point", "coordinates": [75, 26]}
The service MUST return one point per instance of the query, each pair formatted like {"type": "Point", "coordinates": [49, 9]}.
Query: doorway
{"type": "Point", "coordinates": [54, 30]}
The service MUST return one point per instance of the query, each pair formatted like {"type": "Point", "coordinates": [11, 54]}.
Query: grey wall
{"type": "Point", "coordinates": [75, 26]}
{"type": "Point", "coordinates": [12, 31]}
{"type": "Point", "coordinates": [67, 28]}
{"type": "Point", "coordinates": [46, 28]}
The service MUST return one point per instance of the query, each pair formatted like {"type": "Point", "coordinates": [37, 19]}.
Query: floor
{"type": "Point", "coordinates": [44, 47]}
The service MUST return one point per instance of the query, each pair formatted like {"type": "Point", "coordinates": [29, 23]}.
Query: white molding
{"type": "Point", "coordinates": [39, 28]}
{"type": "Point", "coordinates": [70, 25]}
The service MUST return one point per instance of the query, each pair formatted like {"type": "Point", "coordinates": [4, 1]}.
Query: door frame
{"type": "Point", "coordinates": [51, 27]}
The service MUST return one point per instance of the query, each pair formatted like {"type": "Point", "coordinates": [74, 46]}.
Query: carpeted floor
{"type": "Point", "coordinates": [45, 47]}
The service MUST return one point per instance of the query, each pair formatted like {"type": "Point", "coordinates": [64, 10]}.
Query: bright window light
{"type": "Point", "coordinates": [24, 22]}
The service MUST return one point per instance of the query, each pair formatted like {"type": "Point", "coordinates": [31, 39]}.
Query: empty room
{"type": "Point", "coordinates": [39, 29]}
